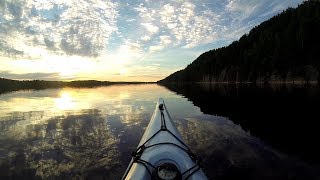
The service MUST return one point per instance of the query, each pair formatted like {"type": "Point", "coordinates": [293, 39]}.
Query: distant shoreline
{"type": "Point", "coordinates": [9, 85]}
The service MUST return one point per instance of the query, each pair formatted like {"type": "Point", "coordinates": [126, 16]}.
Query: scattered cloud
{"type": "Point", "coordinates": [152, 29]}
{"type": "Point", "coordinates": [180, 20]}
{"type": "Point", "coordinates": [194, 23]}
{"type": "Point", "coordinates": [129, 51]}
{"type": "Point", "coordinates": [76, 27]}
{"type": "Point", "coordinates": [145, 38]}
{"type": "Point", "coordinates": [245, 14]}
{"type": "Point", "coordinates": [9, 51]}
{"type": "Point", "coordinates": [164, 42]}
{"type": "Point", "coordinates": [111, 38]}
{"type": "Point", "coordinates": [155, 48]}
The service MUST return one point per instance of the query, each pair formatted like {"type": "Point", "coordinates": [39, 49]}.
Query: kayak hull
{"type": "Point", "coordinates": [166, 146]}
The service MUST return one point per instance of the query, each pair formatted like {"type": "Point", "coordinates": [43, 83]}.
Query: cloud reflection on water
{"type": "Point", "coordinates": [90, 133]}
{"type": "Point", "coordinates": [71, 132]}
{"type": "Point", "coordinates": [62, 146]}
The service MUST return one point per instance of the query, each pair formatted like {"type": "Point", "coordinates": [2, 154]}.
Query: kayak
{"type": "Point", "coordinates": [162, 154]}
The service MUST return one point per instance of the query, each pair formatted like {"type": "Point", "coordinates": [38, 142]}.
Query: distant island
{"type": "Point", "coordinates": [7, 85]}
{"type": "Point", "coordinates": [284, 49]}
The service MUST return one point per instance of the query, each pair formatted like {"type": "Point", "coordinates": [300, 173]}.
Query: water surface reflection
{"type": "Point", "coordinates": [90, 132]}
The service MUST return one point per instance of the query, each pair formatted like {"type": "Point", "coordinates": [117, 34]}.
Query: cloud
{"type": "Point", "coordinates": [75, 27]}
{"type": "Point", "coordinates": [97, 38]}
{"type": "Point", "coordinates": [49, 43]}
{"type": "Point", "coordinates": [194, 23]}
{"type": "Point", "coordinates": [243, 15]}
{"type": "Point", "coordinates": [145, 38]}
{"type": "Point", "coordinates": [150, 27]}
{"type": "Point", "coordinates": [156, 48]}
{"type": "Point", "coordinates": [9, 51]}
{"type": "Point", "coordinates": [128, 52]}
{"type": "Point", "coordinates": [164, 42]}
{"type": "Point", "coordinates": [130, 48]}
{"type": "Point", "coordinates": [242, 10]}
{"type": "Point", "coordinates": [26, 76]}
{"type": "Point", "coordinates": [167, 13]}
{"type": "Point", "coordinates": [181, 20]}
{"type": "Point", "coordinates": [85, 27]}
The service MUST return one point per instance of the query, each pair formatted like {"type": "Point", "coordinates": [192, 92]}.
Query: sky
{"type": "Point", "coordinates": [120, 40]}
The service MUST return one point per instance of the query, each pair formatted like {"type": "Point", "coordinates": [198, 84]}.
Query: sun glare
{"type": "Point", "coordinates": [69, 68]}
{"type": "Point", "coordinates": [64, 102]}
{"type": "Point", "coordinates": [123, 71]}
{"type": "Point", "coordinates": [112, 67]}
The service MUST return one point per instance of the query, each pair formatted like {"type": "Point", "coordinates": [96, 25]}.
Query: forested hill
{"type": "Point", "coordinates": [284, 48]}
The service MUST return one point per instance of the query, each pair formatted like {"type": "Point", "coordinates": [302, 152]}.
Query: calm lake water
{"type": "Point", "coordinates": [90, 132]}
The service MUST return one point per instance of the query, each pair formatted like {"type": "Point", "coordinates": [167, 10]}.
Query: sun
{"type": "Point", "coordinates": [123, 72]}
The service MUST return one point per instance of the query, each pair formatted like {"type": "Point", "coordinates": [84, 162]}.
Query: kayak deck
{"type": "Point", "coordinates": [162, 145]}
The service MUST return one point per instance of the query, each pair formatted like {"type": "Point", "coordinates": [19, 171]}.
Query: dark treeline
{"type": "Point", "coordinates": [7, 85]}
{"type": "Point", "coordinates": [284, 115]}
{"type": "Point", "coordinates": [284, 48]}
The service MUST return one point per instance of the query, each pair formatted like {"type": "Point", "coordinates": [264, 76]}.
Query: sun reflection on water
{"type": "Point", "coordinates": [64, 102]}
